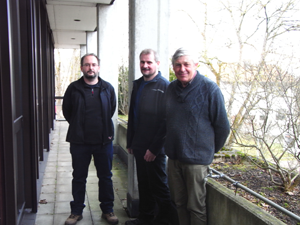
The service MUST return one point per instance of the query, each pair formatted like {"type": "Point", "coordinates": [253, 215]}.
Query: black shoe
{"type": "Point", "coordinates": [137, 222]}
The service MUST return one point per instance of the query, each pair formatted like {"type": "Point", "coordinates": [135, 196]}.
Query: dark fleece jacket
{"type": "Point", "coordinates": [150, 130]}
{"type": "Point", "coordinates": [74, 109]}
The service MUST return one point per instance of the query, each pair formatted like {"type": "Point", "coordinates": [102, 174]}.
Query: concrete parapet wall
{"type": "Point", "coordinates": [121, 135]}
{"type": "Point", "coordinates": [132, 194]}
{"type": "Point", "coordinates": [224, 207]}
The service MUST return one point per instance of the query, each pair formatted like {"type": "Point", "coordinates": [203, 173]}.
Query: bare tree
{"type": "Point", "coordinates": [67, 69]}
{"type": "Point", "coordinates": [272, 126]}
{"type": "Point", "coordinates": [256, 26]}
{"type": "Point", "coordinates": [251, 86]}
{"type": "Point", "coordinates": [123, 90]}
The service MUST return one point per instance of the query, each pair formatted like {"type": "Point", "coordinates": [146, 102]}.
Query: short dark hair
{"type": "Point", "coordinates": [149, 51]}
{"type": "Point", "coordinates": [89, 54]}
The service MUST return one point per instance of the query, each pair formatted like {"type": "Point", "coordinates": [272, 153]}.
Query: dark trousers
{"type": "Point", "coordinates": [81, 158]}
{"type": "Point", "coordinates": [154, 195]}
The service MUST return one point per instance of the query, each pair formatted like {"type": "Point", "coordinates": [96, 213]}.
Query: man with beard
{"type": "Point", "coordinates": [145, 140]}
{"type": "Point", "coordinates": [88, 105]}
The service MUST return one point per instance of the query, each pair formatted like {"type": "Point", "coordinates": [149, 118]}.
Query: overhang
{"type": "Point", "coordinates": [71, 19]}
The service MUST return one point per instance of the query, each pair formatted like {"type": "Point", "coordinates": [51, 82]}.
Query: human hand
{"type": "Point", "coordinates": [149, 156]}
{"type": "Point", "coordinates": [130, 151]}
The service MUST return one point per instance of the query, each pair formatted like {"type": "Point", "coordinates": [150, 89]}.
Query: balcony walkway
{"type": "Point", "coordinates": [56, 186]}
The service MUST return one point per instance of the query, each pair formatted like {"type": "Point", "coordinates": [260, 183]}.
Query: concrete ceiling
{"type": "Point", "coordinates": [70, 19]}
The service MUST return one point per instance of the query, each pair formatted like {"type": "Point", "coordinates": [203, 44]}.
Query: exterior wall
{"type": "Point", "coordinates": [27, 103]}
{"type": "Point", "coordinates": [224, 207]}
{"type": "Point", "coordinates": [112, 42]}
{"type": "Point", "coordinates": [148, 28]}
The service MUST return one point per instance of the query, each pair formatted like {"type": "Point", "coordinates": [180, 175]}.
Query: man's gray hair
{"type": "Point", "coordinates": [149, 51]}
{"type": "Point", "coordinates": [89, 54]}
{"type": "Point", "coordinates": [184, 52]}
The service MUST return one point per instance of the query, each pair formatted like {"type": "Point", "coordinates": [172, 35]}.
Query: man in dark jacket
{"type": "Point", "coordinates": [88, 105]}
{"type": "Point", "coordinates": [145, 139]}
{"type": "Point", "coordinates": [197, 127]}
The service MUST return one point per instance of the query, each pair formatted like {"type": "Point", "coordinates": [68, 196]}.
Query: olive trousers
{"type": "Point", "coordinates": [188, 191]}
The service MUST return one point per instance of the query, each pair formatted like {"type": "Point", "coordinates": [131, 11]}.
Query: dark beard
{"type": "Point", "coordinates": [148, 75]}
{"type": "Point", "coordinates": [90, 77]}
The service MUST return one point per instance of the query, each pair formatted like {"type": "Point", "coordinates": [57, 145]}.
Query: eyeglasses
{"type": "Point", "coordinates": [90, 65]}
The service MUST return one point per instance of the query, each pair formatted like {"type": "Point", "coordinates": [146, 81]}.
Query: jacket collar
{"type": "Point", "coordinates": [182, 93]}
{"type": "Point", "coordinates": [80, 84]}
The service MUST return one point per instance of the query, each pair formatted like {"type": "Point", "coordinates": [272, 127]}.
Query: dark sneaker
{"type": "Point", "coordinates": [73, 219]}
{"type": "Point", "coordinates": [111, 218]}
{"type": "Point", "coordinates": [137, 222]}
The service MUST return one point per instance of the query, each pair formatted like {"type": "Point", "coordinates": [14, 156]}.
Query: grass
{"type": "Point", "coordinates": [123, 117]}
{"type": "Point", "coordinates": [243, 167]}
{"type": "Point", "coordinates": [276, 150]}
{"type": "Point", "coordinates": [286, 205]}
{"type": "Point", "coordinates": [268, 188]}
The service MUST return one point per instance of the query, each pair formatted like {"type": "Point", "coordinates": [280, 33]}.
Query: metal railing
{"type": "Point", "coordinates": [238, 185]}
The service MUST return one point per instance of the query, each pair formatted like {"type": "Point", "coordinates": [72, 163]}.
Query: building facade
{"type": "Point", "coordinates": [27, 103]}
{"type": "Point", "coordinates": [27, 87]}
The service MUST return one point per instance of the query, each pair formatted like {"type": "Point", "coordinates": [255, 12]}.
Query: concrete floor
{"type": "Point", "coordinates": [55, 195]}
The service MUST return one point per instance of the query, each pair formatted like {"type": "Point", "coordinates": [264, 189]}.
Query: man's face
{"type": "Point", "coordinates": [185, 69]}
{"type": "Point", "coordinates": [148, 65]}
{"type": "Point", "coordinates": [90, 67]}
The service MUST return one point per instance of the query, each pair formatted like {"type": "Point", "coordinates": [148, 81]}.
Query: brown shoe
{"type": "Point", "coordinates": [73, 219]}
{"type": "Point", "coordinates": [111, 218]}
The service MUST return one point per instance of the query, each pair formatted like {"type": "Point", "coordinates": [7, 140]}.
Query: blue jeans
{"type": "Point", "coordinates": [81, 158]}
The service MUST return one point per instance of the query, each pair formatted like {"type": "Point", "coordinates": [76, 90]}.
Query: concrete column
{"type": "Point", "coordinates": [112, 29]}
{"type": "Point", "coordinates": [148, 28]}
{"type": "Point", "coordinates": [91, 42]}
{"type": "Point", "coordinates": [82, 53]}
{"type": "Point", "coordinates": [82, 50]}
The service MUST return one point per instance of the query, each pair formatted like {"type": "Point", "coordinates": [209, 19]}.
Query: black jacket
{"type": "Point", "coordinates": [150, 130]}
{"type": "Point", "coordinates": [74, 109]}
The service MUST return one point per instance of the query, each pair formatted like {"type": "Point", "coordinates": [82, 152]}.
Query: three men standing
{"type": "Point", "coordinates": [145, 140]}
{"type": "Point", "coordinates": [186, 119]}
